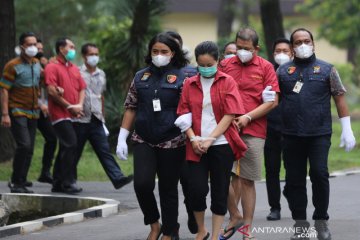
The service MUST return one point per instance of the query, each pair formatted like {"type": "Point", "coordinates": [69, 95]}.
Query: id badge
{"type": "Point", "coordinates": [156, 105]}
{"type": "Point", "coordinates": [298, 86]}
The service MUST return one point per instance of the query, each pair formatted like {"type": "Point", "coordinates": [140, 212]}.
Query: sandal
{"type": "Point", "coordinates": [231, 231]}
{"type": "Point", "coordinates": [249, 237]}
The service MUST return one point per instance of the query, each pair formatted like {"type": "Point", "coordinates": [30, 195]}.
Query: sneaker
{"type": "Point", "coordinates": [123, 181]}
{"type": "Point", "coordinates": [322, 228]}
{"type": "Point", "coordinates": [274, 215]}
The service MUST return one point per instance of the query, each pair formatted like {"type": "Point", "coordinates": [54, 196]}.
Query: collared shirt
{"type": "Point", "coordinates": [252, 78]}
{"type": "Point", "coordinates": [225, 99]}
{"type": "Point", "coordinates": [21, 79]}
{"type": "Point", "coordinates": [95, 86]}
{"type": "Point", "coordinates": [67, 76]}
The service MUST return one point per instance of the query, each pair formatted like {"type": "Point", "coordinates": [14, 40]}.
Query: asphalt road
{"type": "Point", "coordinates": [344, 214]}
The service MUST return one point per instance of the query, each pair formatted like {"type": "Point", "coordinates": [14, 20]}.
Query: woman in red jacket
{"type": "Point", "coordinates": [213, 141]}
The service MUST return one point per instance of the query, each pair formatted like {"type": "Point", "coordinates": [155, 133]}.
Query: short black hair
{"type": "Point", "coordinates": [280, 40]}
{"type": "Point", "coordinates": [207, 47]}
{"type": "Point", "coordinates": [61, 42]}
{"type": "Point", "coordinates": [298, 30]}
{"type": "Point", "coordinates": [178, 60]}
{"type": "Point", "coordinates": [25, 35]}
{"type": "Point", "coordinates": [227, 44]}
{"type": "Point", "coordinates": [176, 36]}
{"type": "Point", "coordinates": [38, 40]}
{"type": "Point", "coordinates": [85, 47]}
{"type": "Point", "coordinates": [247, 34]}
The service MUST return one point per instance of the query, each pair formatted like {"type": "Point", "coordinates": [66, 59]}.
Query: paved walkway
{"type": "Point", "coordinates": [344, 212]}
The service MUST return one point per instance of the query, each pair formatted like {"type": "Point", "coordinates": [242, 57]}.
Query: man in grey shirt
{"type": "Point", "coordinates": [91, 126]}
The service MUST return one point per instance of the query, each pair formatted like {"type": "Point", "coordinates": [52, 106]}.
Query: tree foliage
{"type": "Point", "coordinates": [53, 19]}
{"type": "Point", "coordinates": [339, 23]}
{"type": "Point", "coordinates": [122, 38]}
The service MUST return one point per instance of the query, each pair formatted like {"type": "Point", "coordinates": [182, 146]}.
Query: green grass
{"type": "Point", "coordinates": [90, 169]}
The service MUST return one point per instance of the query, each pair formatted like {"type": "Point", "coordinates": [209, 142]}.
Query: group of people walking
{"type": "Point", "coordinates": [215, 122]}
{"type": "Point", "coordinates": [66, 103]}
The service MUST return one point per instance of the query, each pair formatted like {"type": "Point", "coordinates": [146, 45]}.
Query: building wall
{"type": "Point", "coordinates": [193, 28]}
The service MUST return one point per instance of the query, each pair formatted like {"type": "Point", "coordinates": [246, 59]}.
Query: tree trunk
{"type": "Point", "coordinates": [7, 43]}
{"type": "Point", "coordinates": [225, 18]}
{"type": "Point", "coordinates": [271, 18]}
{"type": "Point", "coordinates": [245, 12]}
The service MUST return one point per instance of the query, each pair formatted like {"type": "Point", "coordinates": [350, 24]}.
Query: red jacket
{"type": "Point", "coordinates": [225, 99]}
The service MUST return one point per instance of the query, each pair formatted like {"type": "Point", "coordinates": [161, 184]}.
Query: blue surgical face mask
{"type": "Point", "coordinates": [208, 71]}
{"type": "Point", "coordinates": [70, 55]}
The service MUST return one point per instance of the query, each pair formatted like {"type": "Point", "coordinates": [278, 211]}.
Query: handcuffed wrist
{"type": "Point", "coordinates": [248, 117]}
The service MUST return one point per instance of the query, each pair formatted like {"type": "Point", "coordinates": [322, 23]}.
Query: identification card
{"type": "Point", "coordinates": [298, 86]}
{"type": "Point", "coordinates": [156, 105]}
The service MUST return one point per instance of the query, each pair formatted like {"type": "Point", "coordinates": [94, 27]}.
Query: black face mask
{"type": "Point", "coordinates": [39, 55]}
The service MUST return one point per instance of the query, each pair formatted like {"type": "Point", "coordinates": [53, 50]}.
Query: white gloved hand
{"type": "Point", "coordinates": [184, 122]}
{"type": "Point", "coordinates": [122, 148]}
{"type": "Point", "coordinates": [347, 138]}
{"type": "Point", "coordinates": [267, 95]}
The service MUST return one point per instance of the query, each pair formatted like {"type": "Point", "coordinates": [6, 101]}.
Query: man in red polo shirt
{"type": "Point", "coordinates": [253, 75]}
{"type": "Point", "coordinates": [66, 90]}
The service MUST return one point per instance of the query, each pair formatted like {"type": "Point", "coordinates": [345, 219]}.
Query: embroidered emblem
{"type": "Point", "coordinates": [145, 76]}
{"type": "Point", "coordinates": [171, 78]}
{"type": "Point", "coordinates": [317, 69]}
{"type": "Point", "coordinates": [291, 70]}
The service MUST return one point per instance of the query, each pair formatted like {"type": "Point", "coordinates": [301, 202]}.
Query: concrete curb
{"type": "Point", "coordinates": [110, 207]}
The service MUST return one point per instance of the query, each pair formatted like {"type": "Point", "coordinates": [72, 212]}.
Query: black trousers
{"type": "Point", "coordinates": [64, 162]}
{"type": "Point", "coordinates": [272, 156]}
{"type": "Point", "coordinates": [297, 152]}
{"type": "Point", "coordinates": [24, 131]}
{"type": "Point", "coordinates": [94, 132]}
{"type": "Point", "coordinates": [217, 162]}
{"type": "Point", "coordinates": [45, 127]}
{"type": "Point", "coordinates": [166, 164]}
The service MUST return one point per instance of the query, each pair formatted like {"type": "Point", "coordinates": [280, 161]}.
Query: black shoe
{"type": "Point", "coordinates": [45, 178]}
{"type": "Point", "coordinates": [302, 230]}
{"type": "Point", "coordinates": [123, 181]}
{"type": "Point", "coordinates": [71, 189]}
{"type": "Point", "coordinates": [26, 184]}
{"type": "Point", "coordinates": [274, 215]}
{"type": "Point", "coordinates": [322, 228]}
{"type": "Point", "coordinates": [57, 188]}
{"type": "Point", "coordinates": [192, 225]}
{"type": "Point", "coordinates": [19, 189]}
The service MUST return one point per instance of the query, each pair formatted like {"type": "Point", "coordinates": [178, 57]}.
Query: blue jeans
{"type": "Point", "coordinates": [297, 151]}
{"type": "Point", "coordinates": [94, 132]}
{"type": "Point", "coordinates": [23, 131]}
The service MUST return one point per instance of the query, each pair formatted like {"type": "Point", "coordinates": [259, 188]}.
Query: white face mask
{"type": "Point", "coordinates": [160, 60]}
{"type": "Point", "coordinates": [281, 58]}
{"type": "Point", "coordinates": [92, 60]}
{"type": "Point", "coordinates": [229, 56]}
{"type": "Point", "coordinates": [244, 55]}
{"type": "Point", "coordinates": [304, 51]}
{"type": "Point", "coordinates": [31, 51]}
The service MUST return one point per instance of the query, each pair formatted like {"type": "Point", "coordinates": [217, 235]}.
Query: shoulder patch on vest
{"type": "Point", "coordinates": [145, 76]}
{"type": "Point", "coordinates": [171, 78]}
{"type": "Point", "coordinates": [316, 69]}
{"type": "Point", "coordinates": [291, 70]}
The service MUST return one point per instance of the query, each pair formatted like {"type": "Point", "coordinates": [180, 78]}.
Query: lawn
{"type": "Point", "coordinates": [90, 169]}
